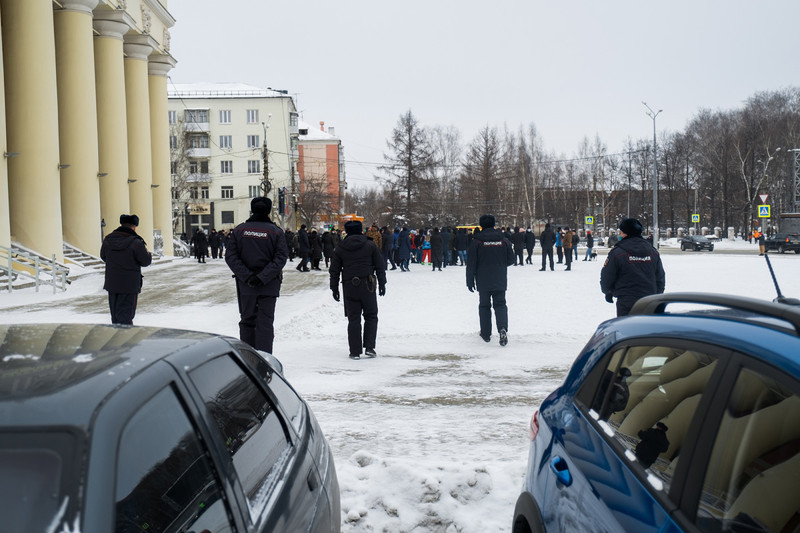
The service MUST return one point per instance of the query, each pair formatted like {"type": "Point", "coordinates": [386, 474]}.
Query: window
{"type": "Point", "coordinates": [227, 217]}
{"type": "Point", "coordinates": [200, 167]}
{"type": "Point", "coordinates": [173, 142]}
{"type": "Point", "coordinates": [172, 117]}
{"type": "Point", "coordinates": [227, 192]}
{"type": "Point", "coordinates": [193, 193]}
{"type": "Point", "coordinates": [197, 116]}
{"type": "Point", "coordinates": [176, 194]}
{"type": "Point", "coordinates": [204, 193]}
{"type": "Point", "coordinates": [164, 475]}
{"type": "Point", "coordinates": [751, 480]}
{"type": "Point", "coordinates": [253, 141]}
{"type": "Point", "coordinates": [173, 167]}
{"type": "Point", "coordinates": [293, 117]}
{"type": "Point", "coordinates": [226, 167]}
{"type": "Point", "coordinates": [247, 423]}
{"type": "Point", "coordinates": [254, 191]}
{"type": "Point", "coordinates": [646, 396]}
{"type": "Point", "coordinates": [225, 116]}
{"type": "Point", "coordinates": [254, 166]}
{"type": "Point", "coordinates": [252, 116]}
{"type": "Point", "coordinates": [198, 141]}
{"type": "Point", "coordinates": [226, 142]}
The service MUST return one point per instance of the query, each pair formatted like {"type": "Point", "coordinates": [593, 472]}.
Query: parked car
{"type": "Point", "coordinates": [783, 242]}
{"type": "Point", "coordinates": [673, 421]}
{"type": "Point", "coordinates": [115, 428]}
{"type": "Point", "coordinates": [697, 243]}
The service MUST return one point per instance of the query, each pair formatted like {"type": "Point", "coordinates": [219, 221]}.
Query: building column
{"type": "Point", "coordinates": [159, 67]}
{"type": "Point", "coordinates": [5, 222]}
{"type": "Point", "coordinates": [32, 125]}
{"type": "Point", "coordinates": [112, 125]}
{"type": "Point", "coordinates": [77, 120]}
{"type": "Point", "coordinates": [140, 161]}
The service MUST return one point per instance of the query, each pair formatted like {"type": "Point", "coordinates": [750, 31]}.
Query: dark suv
{"type": "Point", "coordinates": [128, 429]}
{"type": "Point", "coordinates": [783, 242]}
{"type": "Point", "coordinates": [673, 421]}
{"type": "Point", "coordinates": [697, 243]}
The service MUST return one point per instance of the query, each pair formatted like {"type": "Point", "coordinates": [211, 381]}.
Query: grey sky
{"type": "Point", "coordinates": [573, 68]}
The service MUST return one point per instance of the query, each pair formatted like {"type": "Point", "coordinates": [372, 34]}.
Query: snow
{"type": "Point", "coordinates": [433, 434]}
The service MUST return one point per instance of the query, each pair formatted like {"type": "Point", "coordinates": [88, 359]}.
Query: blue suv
{"type": "Point", "coordinates": [673, 421]}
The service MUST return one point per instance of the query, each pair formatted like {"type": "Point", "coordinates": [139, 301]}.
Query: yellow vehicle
{"type": "Point", "coordinates": [469, 228]}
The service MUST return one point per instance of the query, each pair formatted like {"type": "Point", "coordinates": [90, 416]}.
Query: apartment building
{"type": "Point", "coordinates": [321, 172]}
{"type": "Point", "coordinates": [230, 142]}
{"type": "Point", "coordinates": [83, 122]}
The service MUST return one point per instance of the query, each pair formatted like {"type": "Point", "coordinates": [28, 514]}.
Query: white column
{"type": "Point", "coordinates": [159, 67]}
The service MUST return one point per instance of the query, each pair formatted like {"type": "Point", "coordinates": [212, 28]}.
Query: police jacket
{"type": "Point", "coordinates": [125, 253]}
{"type": "Point", "coordinates": [632, 270]}
{"type": "Point", "coordinates": [488, 258]}
{"type": "Point", "coordinates": [356, 257]}
{"type": "Point", "coordinates": [548, 238]}
{"type": "Point", "coordinates": [257, 247]}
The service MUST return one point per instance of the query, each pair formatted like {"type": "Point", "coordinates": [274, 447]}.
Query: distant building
{"type": "Point", "coordinates": [83, 121]}
{"type": "Point", "coordinates": [218, 133]}
{"type": "Point", "coordinates": [321, 172]}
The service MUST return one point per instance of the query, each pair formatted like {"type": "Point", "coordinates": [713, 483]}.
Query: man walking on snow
{"type": "Point", "coordinates": [489, 256]}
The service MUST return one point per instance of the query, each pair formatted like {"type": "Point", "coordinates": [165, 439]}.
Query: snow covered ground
{"type": "Point", "coordinates": [433, 434]}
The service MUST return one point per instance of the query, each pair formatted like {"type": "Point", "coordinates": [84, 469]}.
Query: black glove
{"type": "Point", "coordinates": [609, 298]}
{"type": "Point", "coordinates": [471, 288]}
{"type": "Point", "coordinates": [254, 282]}
{"type": "Point", "coordinates": [335, 294]}
{"type": "Point", "coordinates": [382, 290]}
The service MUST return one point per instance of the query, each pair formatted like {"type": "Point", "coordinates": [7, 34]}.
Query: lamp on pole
{"type": "Point", "coordinates": [266, 186]}
{"type": "Point", "coordinates": [653, 114]}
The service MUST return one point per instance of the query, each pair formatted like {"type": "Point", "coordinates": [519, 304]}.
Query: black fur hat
{"type": "Point", "coordinates": [632, 227]}
{"type": "Point", "coordinates": [353, 227]}
{"type": "Point", "coordinates": [133, 220]}
{"type": "Point", "coordinates": [261, 205]}
{"type": "Point", "coordinates": [486, 221]}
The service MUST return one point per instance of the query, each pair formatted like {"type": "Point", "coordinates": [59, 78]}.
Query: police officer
{"type": "Point", "coordinates": [360, 264]}
{"type": "Point", "coordinates": [488, 258]}
{"type": "Point", "coordinates": [632, 269]}
{"type": "Point", "coordinates": [125, 253]}
{"type": "Point", "coordinates": [256, 253]}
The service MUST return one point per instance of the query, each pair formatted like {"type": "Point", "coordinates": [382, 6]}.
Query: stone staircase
{"type": "Point", "coordinates": [82, 259]}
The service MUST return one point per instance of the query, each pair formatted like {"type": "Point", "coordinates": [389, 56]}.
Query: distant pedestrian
{"type": "Point", "coordinates": [461, 243]}
{"type": "Point", "coordinates": [404, 248]}
{"type": "Point", "coordinates": [547, 239]}
{"type": "Point", "coordinates": [256, 254]}
{"type": "Point", "coordinates": [125, 253]}
{"type": "Point", "coordinates": [215, 244]}
{"type": "Point", "coordinates": [200, 243]}
{"type": "Point", "coordinates": [530, 243]}
{"type": "Point", "coordinates": [560, 244]}
{"type": "Point", "coordinates": [437, 249]}
{"type": "Point", "coordinates": [632, 269]}
{"type": "Point", "coordinates": [447, 247]}
{"type": "Point", "coordinates": [568, 248]}
{"type": "Point", "coordinates": [762, 243]}
{"type": "Point", "coordinates": [360, 264]}
{"type": "Point", "coordinates": [518, 240]}
{"type": "Point", "coordinates": [303, 249]}
{"type": "Point", "coordinates": [589, 246]}
{"type": "Point", "coordinates": [489, 256]}
{"type": "Point", "coordinates": [327, 247]}
{"type": "Point", "coordinates": [576, 240]}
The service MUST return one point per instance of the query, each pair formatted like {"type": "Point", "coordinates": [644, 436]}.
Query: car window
{"type": "Point", "coordinates": [248, 425]}
{"type": "Point", "coordinates": [289, 400]}
{"type": "Point", "coordinates": [750, 483]}
{"type": "Point", "coordinates": [645, 397]}
{"type": "Point", "coordinates": [165, 481]}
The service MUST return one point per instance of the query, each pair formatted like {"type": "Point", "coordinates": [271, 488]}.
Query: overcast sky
{"type": "Point", "coordinates": [573, 68]}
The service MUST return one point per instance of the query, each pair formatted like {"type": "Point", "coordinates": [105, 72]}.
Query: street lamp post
{"type": "Point", "coordinates": [266, 186]}
{"type": "Point", "coordinates": [653, 114]}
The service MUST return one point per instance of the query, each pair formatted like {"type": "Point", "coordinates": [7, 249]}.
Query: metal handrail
{"type": "Point", "coordinates": [45, 272]}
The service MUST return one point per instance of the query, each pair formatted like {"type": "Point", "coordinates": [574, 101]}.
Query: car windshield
{"type": "Point", "coordinates": [701, 238]}
{"type": "Point", "coordinates": [39, 470]}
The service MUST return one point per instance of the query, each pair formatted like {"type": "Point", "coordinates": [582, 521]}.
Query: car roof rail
{"type": "Point", "coordinates": [657, 303]}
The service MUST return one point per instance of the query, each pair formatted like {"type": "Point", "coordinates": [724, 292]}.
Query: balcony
{"type": "Point", "coordinates": [198, 177]}
{"type": "Point", "coordinates": [198, 153]}
{"type": "Point", "coordinates": [196, 127]}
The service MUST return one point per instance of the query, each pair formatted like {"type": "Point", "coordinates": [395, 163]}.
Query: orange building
{"type": "Point", "coordinates": [320, 170]}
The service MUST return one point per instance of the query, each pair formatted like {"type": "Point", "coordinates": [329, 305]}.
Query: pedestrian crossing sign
{"type": "Point", "coordinates": [763, 211]}
{"type": "Point", "coordinates": [590, 220]}
{"type": "Point", "coordinates": [695, 218]}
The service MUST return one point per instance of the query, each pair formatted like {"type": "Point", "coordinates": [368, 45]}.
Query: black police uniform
{"type": "Point", "coordinates": [488, 258]}
{"type": "Point", "coordinates": [360, 264]}
{"type": "Point", "coordinates": [256, 254]}
{"type": "Point", "coordinates": [125, 253]}
{"type": "Point", "coordinates": [632, 270]}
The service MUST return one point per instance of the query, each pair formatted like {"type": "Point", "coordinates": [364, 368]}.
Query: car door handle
{"type": "Point", "coordinates": [561, 470]}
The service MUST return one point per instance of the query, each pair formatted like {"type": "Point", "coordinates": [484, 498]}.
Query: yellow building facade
{"type": "Point", "coordinates": [83, 122]}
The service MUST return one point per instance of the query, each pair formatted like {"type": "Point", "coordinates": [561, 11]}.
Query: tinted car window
{"type": "Point", "coordinates": [248, 424]}
{"type": "Point", "coordinates": [751, 480]}
{"type": "Point", "coordinates": [646, 397]}
{"type": "Point", "coordinates": [165, 481]}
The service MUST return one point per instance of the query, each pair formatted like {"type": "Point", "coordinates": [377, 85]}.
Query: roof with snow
{"type": "Point", "coordinates": [314, 134]}
{"type": "Point", "coordinates": [221, 90]}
